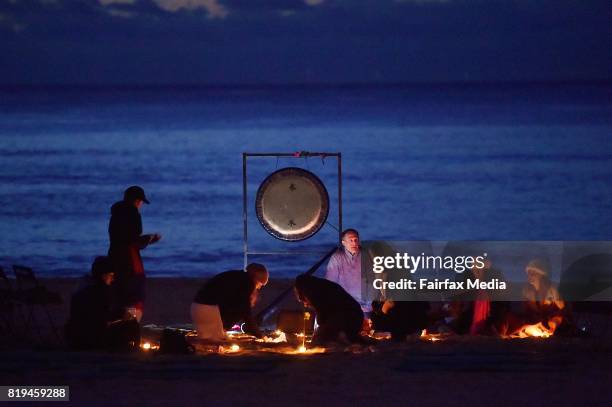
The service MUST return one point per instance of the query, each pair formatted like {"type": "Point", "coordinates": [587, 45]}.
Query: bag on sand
{"type": "Point", "coordinates": [173, 342]}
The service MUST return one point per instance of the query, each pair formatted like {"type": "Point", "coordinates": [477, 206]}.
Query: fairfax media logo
{"type": "Point", "coordinates": [437, 284]}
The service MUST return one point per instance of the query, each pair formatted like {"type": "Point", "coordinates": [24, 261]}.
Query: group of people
{"type": "Point", "coordinates": [107, 312]}
{"type": "Point", "coordinates": [479, 312]}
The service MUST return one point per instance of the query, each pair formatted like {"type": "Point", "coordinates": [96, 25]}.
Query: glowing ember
{"type": "Point", "coordinates": [380, 336]}
{"type": "Point", "coordinates": [278, 337]}
{"type": "Point", "coordinates": [302, 350]}
{"type": "Point", "coordinates": [225, 350]}
{"type": "Point", "coordinates": [146, 346]}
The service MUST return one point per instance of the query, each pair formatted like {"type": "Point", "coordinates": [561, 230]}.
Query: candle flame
{"type": "Point", "coordinates": [430, 337]}
{"type": "Point", "coordinates": [146, 346]}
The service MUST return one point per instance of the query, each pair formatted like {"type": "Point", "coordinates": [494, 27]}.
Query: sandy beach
{"type": "Point", "coordinates": [467, 370]}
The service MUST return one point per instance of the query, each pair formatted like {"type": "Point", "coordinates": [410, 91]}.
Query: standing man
{"type": "Point", "coordinates": [344, 267]}
{"type": "Point", "coordinates": [126, 242]}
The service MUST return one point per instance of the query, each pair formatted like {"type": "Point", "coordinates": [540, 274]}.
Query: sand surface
{"type": "Point", "coordinates": [456, 371]}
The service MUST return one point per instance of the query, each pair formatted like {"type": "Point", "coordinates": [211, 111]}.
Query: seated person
{"type": "Point", "coordinates": [400, 318]}
{"type": "Point", "coordinates": [339, 316]}
{"type": "Point", "coordinates": [344, 267]}
{"type": "Point", "coordinates": [543, 303]}
{"type": "Point", "coordinates": [542, 297]}
{"type": "Point", "coordinates": [226, 299]}
{"type": "Point", "coordinates": [477, 311]}
{"type": "Point", "coordinates": [94, 322]}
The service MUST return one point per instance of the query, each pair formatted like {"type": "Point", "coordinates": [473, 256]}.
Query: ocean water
{"type": "Point", "coordinates": [513, 162]}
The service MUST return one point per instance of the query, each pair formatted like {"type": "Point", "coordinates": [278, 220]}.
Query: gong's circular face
{"type": "Point", "coordinates": [292, 204]}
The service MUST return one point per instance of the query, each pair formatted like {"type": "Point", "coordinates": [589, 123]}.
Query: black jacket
{"type": "Point", "coordinates": [336, 309]}
{"type": "Point", "coordinates": [126, 241]}
{"type": "Point", "coordinates": [91, 309]}
{"type": "Point", "coordinates": [231, 291]}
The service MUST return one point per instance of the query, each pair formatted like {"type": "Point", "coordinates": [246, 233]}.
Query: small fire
{"type": "Point", "coordinates": [430, 337]}
{"type": "Point", "coordinates": [538, 330]}
{"type": "Point", "coordinates": [535, 331]}
{"type": "Point", "coordinates": [230, 349]}
{"type": "Point", "coordinates": [277, 336]}
{"type": "Point", "coordinates": [303, 350]}
{"type": "Point", "coordinates": [146, 346]}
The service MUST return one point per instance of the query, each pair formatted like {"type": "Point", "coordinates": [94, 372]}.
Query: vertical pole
{"type": "Point", "coordinates": [339, 198]}
{"type": "Point", "coordinates": [244, 208]}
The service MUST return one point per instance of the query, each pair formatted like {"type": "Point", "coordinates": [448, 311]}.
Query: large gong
{"type": "Point", "coordinates": [292, 204]}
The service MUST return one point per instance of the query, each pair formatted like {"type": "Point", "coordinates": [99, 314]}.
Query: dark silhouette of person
{"type": "Point", "coordinates": [230, 296]}
{"type": "Point", "coordinates": [339, 315]}
{"type": "Point", "coordinates": [400, 318]}
{"type": "Point", "coordinates": [126, 242]}
{"type": "Point", "coordinates": [481, 312]}
{"type": "Point", "coordinates": [95, 321]}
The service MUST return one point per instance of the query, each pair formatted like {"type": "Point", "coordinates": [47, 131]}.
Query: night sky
{"type": "Point", "coordinates": [303, 41]}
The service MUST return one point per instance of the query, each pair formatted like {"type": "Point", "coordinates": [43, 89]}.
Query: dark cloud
{"type": "Point", "coordinates": [290, 41]}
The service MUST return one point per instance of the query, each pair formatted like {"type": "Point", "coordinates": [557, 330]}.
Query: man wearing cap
{"type": "Point", "coordinates": [226, 299]}
{"type": "Point", "coordinates": [126, 241]}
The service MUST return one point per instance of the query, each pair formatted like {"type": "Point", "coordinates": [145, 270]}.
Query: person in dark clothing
{"type": "Point", "coordinates": [94, 322]}
{"type": "Point", "coordinates": [477, 311]}
{"type": "Point", "coordinates": [126, 241]}
{"type": "Point", "coordinates": [400, 318]}
{"type": "Point", "coordinates": [339, 316]}
{"type": "Point", "coordinates": [226, 299]}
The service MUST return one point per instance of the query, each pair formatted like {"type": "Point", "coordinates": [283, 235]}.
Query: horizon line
{"type": "Point", "coordinates": [300, 85]}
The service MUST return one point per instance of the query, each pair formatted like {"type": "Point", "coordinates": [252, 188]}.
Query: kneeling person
{"type": "Point", "coordinates": [338, 314]}
{"type": "Point", "coordinates": [94, 322]}
{"type": "Point", "coordinates": [226, 299]}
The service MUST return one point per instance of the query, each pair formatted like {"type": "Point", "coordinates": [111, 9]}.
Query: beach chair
{"type": "Point", "coordinates": [7, 306]}
{"type": "Point", "coordinates": [31, 294]}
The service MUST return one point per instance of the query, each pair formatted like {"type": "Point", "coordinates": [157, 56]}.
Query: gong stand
{"type": "Point", "coordinates": [271, 308]}
{"type": "Point", "coordinates": [302, 155]}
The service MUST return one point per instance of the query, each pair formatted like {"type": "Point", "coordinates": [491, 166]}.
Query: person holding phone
{"type": "Point", "coordinates": [126, 242]}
